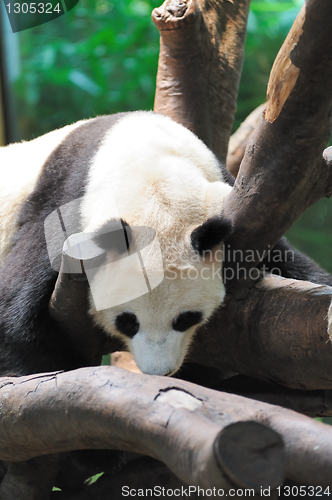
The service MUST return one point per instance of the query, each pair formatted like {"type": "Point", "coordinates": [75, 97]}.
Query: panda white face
{"type": "Point", "coordinates": [158, 326]}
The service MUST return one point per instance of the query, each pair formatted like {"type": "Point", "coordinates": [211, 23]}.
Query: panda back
{"type": "Point", "coordinates": [20, 167]}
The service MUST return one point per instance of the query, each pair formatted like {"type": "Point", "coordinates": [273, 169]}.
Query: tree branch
{"type": "Point", "coordinates": [239, 140]}
{"type": "Point", "coordinates": [200, 63]}
{"type": "Point", "coordinates": [277, 330]}
{"type": "Point", "coordinates": [112, 408]}
{"type": "Point", "coordinates": [316, 403]}
{"type": "Point", "coordinates": [69, 305]}
{"type": "Point", "coordinates": [282, 172]}
{"type": "Point", "coordinates": [327, 167]}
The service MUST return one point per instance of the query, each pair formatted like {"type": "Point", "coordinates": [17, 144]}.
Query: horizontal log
{"type": "Point", "coordinates": [312, 403]}
{"type": "Point", "coordinates": [277, 330]}
{"type": "Point", "coordinates": [105, 407]}
{"type": "Point", "coordinates": [111, 408]}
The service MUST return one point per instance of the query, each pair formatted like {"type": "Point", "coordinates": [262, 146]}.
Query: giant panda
{"type": "Point", "coordinates": [155, 186]}
{"type": "Point", "coordinates": [138, 174]}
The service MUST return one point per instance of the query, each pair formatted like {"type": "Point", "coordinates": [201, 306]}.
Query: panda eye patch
{"type": "Point", "coordinates": [127, 323]}
{"type": "Point", "coordinates": [186, 320]}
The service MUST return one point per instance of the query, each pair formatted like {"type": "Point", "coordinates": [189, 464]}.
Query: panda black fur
{"type": "Point", "coordinates": [85, 162]}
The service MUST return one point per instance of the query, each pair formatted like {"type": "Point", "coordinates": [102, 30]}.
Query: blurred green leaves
{"type": "Point", "coordinates": [99, 58]}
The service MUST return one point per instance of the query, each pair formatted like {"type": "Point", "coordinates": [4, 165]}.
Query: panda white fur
{"type": "Point", "coordinates": [139, 168]}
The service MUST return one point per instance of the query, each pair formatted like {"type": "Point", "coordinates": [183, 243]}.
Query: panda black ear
{"type": "Point", "coordinates": [114, 235]}
{"type": "Point", "coordinates": [211, 233]}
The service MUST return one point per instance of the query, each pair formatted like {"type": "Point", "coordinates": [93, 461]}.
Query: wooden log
{"type": "Point", "coordinates": [110, 407]}
{"type": "Point", "coordinates": [265, 331]}
{"type": "Point", "coordinates": [277, 330]}
{"type": "Point", "coordinates": [312, 403]}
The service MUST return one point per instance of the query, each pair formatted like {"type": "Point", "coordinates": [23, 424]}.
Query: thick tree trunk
{"type": "Point", "coordinates": [283, 171]}
{"type": "Point", "coordinates": [200, 63]}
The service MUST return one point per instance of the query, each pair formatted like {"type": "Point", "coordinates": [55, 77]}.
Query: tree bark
{"type": "Point", "coordinates": [112, 408]}
{"type": "Point", "coordinates": [277, 331]}
{"type": "Point", "coordinates": [200, 63]}
{"type": "Point", "coordinates": [239, 140]}
{"type": "Point", "coordinates": [282, 327]}
{"type": "Point", "coordinates": [283, 172]}
{"type": "Point", "coordinates": [314, 403]}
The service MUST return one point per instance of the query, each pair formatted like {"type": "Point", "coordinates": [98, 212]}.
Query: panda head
{"type": "Point", "coordinates": [184, 287]}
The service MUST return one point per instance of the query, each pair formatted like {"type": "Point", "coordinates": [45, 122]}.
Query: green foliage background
{"type": "Point", "coordinates": [102, 57]}
{"type": "Point", "coordinates": [99, 58]}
